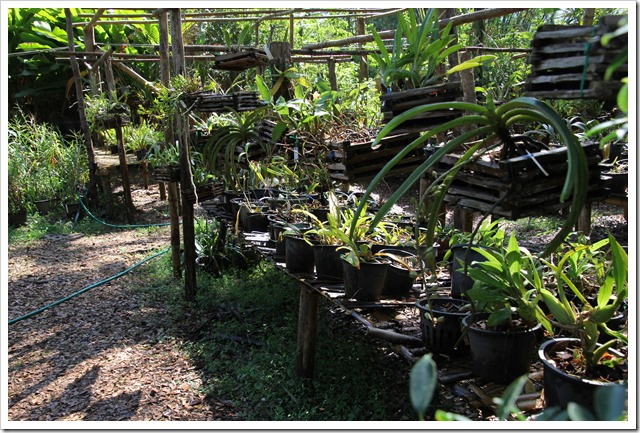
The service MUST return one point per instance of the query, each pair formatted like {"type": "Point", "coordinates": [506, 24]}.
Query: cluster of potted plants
{"type": "Point", "coordinates": [576, 298]}
{"type": "Point", "coordinates": [44, 169]}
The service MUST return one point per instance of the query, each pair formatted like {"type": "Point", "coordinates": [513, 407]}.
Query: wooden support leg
{"type": "Point", "coordinates": [145, 174]}
{"type": "Point", "coordinates": [462, 219]}
{"type": "Point", "coordinates": [584, 221]}
{"type": "Point", "coordinates": [307, 331]}
{"type": "Point", "coordinates": [105, 180]}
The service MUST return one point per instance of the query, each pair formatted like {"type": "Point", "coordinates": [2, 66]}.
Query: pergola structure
{"type": "Point", "coordinates": [177, 54]}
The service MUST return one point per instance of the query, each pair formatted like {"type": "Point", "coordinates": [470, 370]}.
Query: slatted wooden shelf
{"type": "Point", "coordinates": [209, 102]}
{"type": "Point", "coordinates": [516, 187]}
{"type": "Point", "coordinates": [394, 104]}
{"type": "Point", "coordinates": [204, 192]}
{"type": "Point", "coordinates": [569, 62]}
{"type": "Point", "coordinates": [111, 121]}
{"type": "Point", "coordinates": [167, 173]}
{"type": "Point", "coordinates": [248, 58]}
{"type": "Point", "coordinates": [357, 161]}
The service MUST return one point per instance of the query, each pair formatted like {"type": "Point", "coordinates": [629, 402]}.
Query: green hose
{"type": "Point", "coordinates": [79, 292]}
{"type": "Point", "coordinates": [118, 226]}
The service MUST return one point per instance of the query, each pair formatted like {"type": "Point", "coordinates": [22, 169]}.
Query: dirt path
{"type": "Point", "coordinates": [105, 354]}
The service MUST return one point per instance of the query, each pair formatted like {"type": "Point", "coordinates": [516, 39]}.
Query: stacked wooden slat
{"type": "Point", "coordinates": [239, 61]}
{"type": "Point", "coordinates": [569, 62]}
{"type": "Point", "coordinates": [167, 173]}
{"type": "Point", "coordinates": [357, 161]}
{"type": "Point", "coordinates": [265, 130]}
{"type": "Point", "coordinates": [517, 187]}
{"type": "Point", "coordinates": [112, 120]}
{"type": "Point", "coordinates": [246, 101]}
{"type": "Point", "coordinates": [205, 192]}
{"type": "Point", "coordinates": [396, 103]}
{"type": "Point", "coordinates": [209, 102]}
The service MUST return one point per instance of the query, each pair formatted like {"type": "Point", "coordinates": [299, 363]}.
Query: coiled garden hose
{"type": "Point", "coordinates": [79, 292]}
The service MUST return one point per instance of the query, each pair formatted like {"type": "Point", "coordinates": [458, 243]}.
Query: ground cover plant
{"type": "Point", "coordinates": [242, 338]}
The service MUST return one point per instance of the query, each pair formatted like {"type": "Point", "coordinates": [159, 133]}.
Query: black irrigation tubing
{"type": "Point", "coordinates": [79, 292]}
{"type": "Point", "coordinates": [118, 226]}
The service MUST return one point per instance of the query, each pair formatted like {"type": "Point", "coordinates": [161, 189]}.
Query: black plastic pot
{"type": "Point", "coordinates": [560, 388]}
{"type": "Point", "coordinates": [366, 283]}
{"type": "Point", "coordinates": [500, 356]}
{"type": "Point", "coordinates": [463, 256]}
{"type": "Point", "coordinates": [45, 206]}
{"type": "Point", "coordinates": [444, 336]}
{"type": "Point", "coordinates": [328, 262]}
{"type": "Point", "coordinates": [18, 219]}
{"type": "Point", "coordinates": [298, 255]}
{"type": "Point", "coordinates": [399, 280]}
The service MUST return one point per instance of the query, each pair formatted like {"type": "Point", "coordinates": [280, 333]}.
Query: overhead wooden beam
{"type": "Point", "coordinates": [389, 34]}
{"type": "Point", "coordinates": [95, 19]}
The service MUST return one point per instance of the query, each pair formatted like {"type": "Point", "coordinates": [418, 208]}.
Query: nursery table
{"type": "Point", "coordinates": [311, 289]}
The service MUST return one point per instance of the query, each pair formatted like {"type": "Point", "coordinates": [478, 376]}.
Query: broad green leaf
{"type": "Point", "coordinates": [507, 403]}
{"type": "Point", "coordinates": [422, 384]}
{"type": "Point", "coordinates": [577, 412]}
{"type": "Point", "coordinates": [610, 402]}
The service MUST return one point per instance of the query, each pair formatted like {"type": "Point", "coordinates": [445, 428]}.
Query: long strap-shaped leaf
{"type": "Point", "coordinates": [415, 175]}
{"type": "Point", "coordinates": [577, 178]}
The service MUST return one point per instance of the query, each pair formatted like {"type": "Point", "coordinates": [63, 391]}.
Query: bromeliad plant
{"type": "Point", "coordinates": [490, 126]}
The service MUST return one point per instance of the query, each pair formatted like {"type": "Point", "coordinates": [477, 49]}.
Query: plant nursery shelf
{"type": "Point", "coordinates": [569, 62]}
{"type": "Point", "coordinates": [358, 161]}
{"type": "Point", "coordinates": [516, 187]}
{"type": "Point", "coordinates": [209, 102]}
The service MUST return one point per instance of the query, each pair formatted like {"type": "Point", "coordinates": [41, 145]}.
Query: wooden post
{"type": "Point", "coordinates": [589, 15]}
{"type": "Point", "coordinates": [124, 173]}
{"type": "Point", "coordinates": [165, 77]}
{"type": "Point", "coordinates": [175, 229]}
{"type": "Point", "coordinates": [291, 24]}
{"type": "Point", "coordinates": [307, 331]}
{"type": "Point", "coordinates": [462, 219]}
{"type": "Point", "coordinates": [281, 61]}
{"type": "Point", "coordinates": [86, 132]}
{"type": "Point", "coordinates": [331, 63]}
{"type": "Point", "coordinates": [186, 179]}
{"type": "Point", "coordinates": [145, 173]}
{"type": "Point", "coordinates": [105, 181]}
{"type": "Point", "coordinates": [172, 190]}
{"type": "Point", "coordinates": [363, 71]}
{"type": "Point", "coordinates": [90, 46]}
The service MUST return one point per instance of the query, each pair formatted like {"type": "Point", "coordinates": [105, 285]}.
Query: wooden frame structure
{"type": "Point", "coordinates": [178, 53]}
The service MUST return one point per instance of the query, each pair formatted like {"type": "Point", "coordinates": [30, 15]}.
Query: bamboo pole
{"type": "Point", "coordinates": [165, 77]}
{"type": "Point", "coordinates": [155, 13]}
{"type": "Point", "coordinates": [186, 179]}
{"type": "Point", "coordinates": [86, 132]}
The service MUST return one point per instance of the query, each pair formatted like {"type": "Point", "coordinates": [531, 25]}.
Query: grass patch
{"type": "Point", "coordinates": [242, 331]}
{"type": "Point", "coordinates": [56, 222]}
